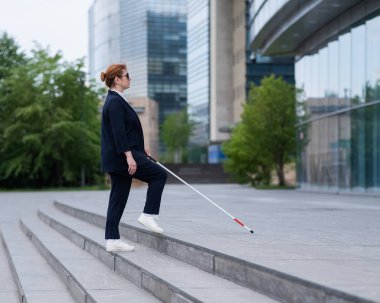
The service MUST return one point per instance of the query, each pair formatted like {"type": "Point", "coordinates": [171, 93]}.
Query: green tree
{"type": "Point", "coordinates": [10, 56]}
{"type": "Point", "coordinates": [243, 160]}
{"type": "Point", "coordinates": [50, 124]}
{"type": "Point", "coordinates": [265, 139]}
{"type": "Point", "coordinates": [175, 133]}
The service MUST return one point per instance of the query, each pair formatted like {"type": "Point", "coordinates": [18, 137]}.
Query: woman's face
{"type": "Point", "coordinates": [123, 81]}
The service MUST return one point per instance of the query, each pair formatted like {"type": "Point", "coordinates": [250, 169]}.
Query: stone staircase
{"type": "Point", "coordinates": [58, 255]}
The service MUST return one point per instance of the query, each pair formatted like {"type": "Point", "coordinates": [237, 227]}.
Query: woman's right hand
{"type": "Point", "coordinates": [132, 166]}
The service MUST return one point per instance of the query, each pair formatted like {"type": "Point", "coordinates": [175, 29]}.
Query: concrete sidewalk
{"type": "Point", "coordinates": [327, 239]}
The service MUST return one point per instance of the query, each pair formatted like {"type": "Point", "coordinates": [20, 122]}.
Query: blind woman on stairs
{"type": "Point", "coordinates": [124, 156]}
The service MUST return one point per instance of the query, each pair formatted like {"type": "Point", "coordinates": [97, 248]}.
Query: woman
{"type": "Point", "coordinates": [124, 156]}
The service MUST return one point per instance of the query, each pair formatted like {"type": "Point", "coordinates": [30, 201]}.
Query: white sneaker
{"type": "Point", "coordinates": [150, 222]}
{"type": "Point", "coordinates": [117, 245]}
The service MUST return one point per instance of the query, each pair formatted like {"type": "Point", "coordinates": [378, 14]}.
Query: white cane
{"type": "Point", "coordinates": [208, 199]}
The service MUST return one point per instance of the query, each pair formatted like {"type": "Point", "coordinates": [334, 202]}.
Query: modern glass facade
{"type": "Point", "coordinates": [259, 66]}
{"type": "Point", "coordinates": [167, 69]}
{"type": "Point", "coordinates": [198, 58]}
{"type": "Point", "coordinates": [104, 36]}
{"type": "Point", "coordinates": [133, 44]}
{"type": "Point", "coordinates": [150, 36]}
{"type": "Point", "coordinates": [262, 67]}
{"type": "Point", "coordinates": [262, 11]}
{"type": "Point", "coordinates": [338, 131]}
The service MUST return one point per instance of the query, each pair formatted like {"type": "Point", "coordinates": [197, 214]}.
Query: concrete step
{"type": "Point", "coordinates": [87, 279]}
{"type": "Point", "coordinates": [36, 281]}
{"type": "Point", "coordinates": [9, 290]}
{"type": "Point", "coordinates": [273, 283]}
{"type": "Point", "coordinates": [167, 278]}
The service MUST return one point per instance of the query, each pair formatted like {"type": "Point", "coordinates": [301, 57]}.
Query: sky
{"type": "Point", "coordinates": [61, 25]}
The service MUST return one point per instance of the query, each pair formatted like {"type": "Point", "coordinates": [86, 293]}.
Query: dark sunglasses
{"type": "Point", "coordinates": [127, 75]}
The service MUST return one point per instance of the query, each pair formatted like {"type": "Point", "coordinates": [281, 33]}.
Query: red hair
{"type": "Point", "coordinates": [113, 71]}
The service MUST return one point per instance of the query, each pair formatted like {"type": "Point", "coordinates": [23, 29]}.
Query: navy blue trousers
{"type": "Point", "coordinates": [147, 171]}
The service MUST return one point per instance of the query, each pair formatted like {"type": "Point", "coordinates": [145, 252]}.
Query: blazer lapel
{"type": "Point", "coordinates": [121, 99]}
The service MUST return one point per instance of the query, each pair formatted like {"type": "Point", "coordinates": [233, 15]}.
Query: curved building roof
{"type": "Point", "coordinates": [293, 27]}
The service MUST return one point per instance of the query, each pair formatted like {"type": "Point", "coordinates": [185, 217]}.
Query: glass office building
{"type": "Point", "coordinates": [199, 69]}
{"type": "Point", "coordinates": [150, 36]}
{"type": "Point", "coordinates": [167, 70]}
{"type": "Point", "coordinates": [104, 36]}
{"type": "Point", "coordinates": [337, 48]}
{"type": "Point", "coordinates": [339, 141]}
{"type": "Point", "coordinates": [217, 81]}
{"type": "Point", "coordinates": [260, 66]}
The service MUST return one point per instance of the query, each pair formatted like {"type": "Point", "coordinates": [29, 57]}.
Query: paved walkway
{"type": "Point", "coordinates": [328, 239]}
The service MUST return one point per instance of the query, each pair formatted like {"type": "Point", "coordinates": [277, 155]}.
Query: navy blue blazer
{"type": "Point", "coordinates": [121, 131]}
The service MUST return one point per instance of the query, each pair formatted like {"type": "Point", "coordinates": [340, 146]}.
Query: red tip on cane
{"type": "Point", "coordinates": [238, 221]}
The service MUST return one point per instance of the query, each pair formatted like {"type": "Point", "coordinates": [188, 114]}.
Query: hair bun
{"type": "Point", "coordinates": [103, 76]}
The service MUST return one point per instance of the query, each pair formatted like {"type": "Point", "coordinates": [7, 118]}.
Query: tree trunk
{"type": "Point", "coordinates": [280, 172]}
{"type": "Point", "coordinates": [177, 156]}
{"type": "Point", "coordinates": [83, 177]}
{"type": "Point", "coordinates": [58, 174]}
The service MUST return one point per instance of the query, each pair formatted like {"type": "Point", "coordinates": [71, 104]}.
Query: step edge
{"type": "Point", "coordinates": [144, 272]}
{"type": "Point", "coordinates": [20, 290]}
{"type": "Point", "coordinates": [70, 281]}
{"type": "Point", "coordinates": [314, 288]}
